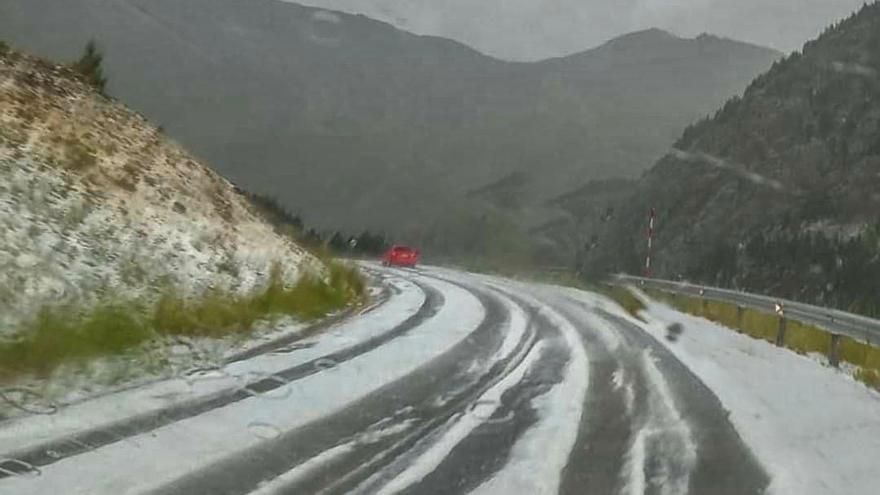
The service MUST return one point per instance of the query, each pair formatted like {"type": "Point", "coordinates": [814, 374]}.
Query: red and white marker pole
{"type": "Point", "coordinates": [650, 242]}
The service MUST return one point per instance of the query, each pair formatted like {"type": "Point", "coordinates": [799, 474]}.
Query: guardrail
{"type": "Point", "coordinates": [837, 323]}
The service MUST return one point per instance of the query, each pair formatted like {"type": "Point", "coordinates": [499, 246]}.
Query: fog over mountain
{"type": "Point", "coordinates": [536, 29]}
{"type": "Point", "coordinates": [356, 124]}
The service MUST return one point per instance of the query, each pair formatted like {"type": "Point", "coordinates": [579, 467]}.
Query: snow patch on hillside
{"type": "Point", "coordinates": [96, 204]}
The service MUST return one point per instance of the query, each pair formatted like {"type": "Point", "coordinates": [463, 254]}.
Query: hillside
{"type": "Point", "coordinates": [312, 106]}
{"type": "Point", "coordinates": [778, 191]}
{"type": "Point", "coordinates": [96, 204]}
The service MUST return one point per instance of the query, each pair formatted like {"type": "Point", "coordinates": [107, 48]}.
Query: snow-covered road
{"type": "Point", "coordinates": [463, 383]}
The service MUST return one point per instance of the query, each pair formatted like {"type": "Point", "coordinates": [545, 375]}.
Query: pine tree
{"type": "Point", "coordinates": [90, 67]}
{"type": "Point", "coordinates": [337, 242]}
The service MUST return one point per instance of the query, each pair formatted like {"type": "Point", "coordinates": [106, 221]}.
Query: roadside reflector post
{"type": "Point", "coordinates": [780, 332]}
{"type": "Point", "coordinates": [834, 353]}
{"type": "Point", "coordinates": [648, 268]}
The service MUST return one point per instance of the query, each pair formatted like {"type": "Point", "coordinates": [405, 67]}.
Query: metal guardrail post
{"type": "Point", "coordinates": [739, 317]}
{"type": "Point", "coordinates": [834, 352]}
{"type": "Point", "coordinates": [780, 332]}
{"type": "Point", "coordinates": [779, 307]}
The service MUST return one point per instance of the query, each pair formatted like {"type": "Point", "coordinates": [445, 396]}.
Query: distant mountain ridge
{"type": "Point", "coordinates": [530, 30]}
{"type": "Point", "coordinates": [350, 121]}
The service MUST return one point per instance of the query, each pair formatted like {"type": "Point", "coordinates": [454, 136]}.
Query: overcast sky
{"type": "Point", "coordinates": [535, 29]}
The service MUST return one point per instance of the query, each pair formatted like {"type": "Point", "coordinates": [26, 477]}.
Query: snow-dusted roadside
{"type": "Point", "coordinates": [815, 429]}
{"type": "Point", "coordinates": [113, 406]}
{"type": "Point", "coordinates": [158, 360]}
{"type": "Point", "coordinates": [155, 458]}
{"type": "Point", "coordinates": [98, 208]}
{"type": "Point", "coordinates": [163, 359]}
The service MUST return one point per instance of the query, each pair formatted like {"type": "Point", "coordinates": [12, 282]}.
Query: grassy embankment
{"type": "Point", "coordinates": [65, 334]}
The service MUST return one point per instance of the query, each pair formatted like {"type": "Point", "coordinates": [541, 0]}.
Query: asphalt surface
{"type": "Point", "coordinates": [646, 423]}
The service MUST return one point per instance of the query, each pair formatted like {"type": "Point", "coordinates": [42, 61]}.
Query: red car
{"type": "Point", "coordinates": [401, 256]}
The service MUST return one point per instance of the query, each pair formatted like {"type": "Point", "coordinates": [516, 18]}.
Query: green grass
{"type": "Point", "coordinates": [61, 335]}
{"type": "Point", "coordinates": [760, 325]}
{"type": "Point", "coordinates": [725, 314]}
{"type": "Point", "coordinates": [806, 339]}
{"type": "Point", "coordinates": [869, 377]}
{"type": "Point", "coordinates": [865, 357]}
{"type": "Point", "coordinates": [220, 314]}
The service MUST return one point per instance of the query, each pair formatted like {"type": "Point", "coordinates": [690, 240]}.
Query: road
{"type": "Point", "coordinates": [457, 383]}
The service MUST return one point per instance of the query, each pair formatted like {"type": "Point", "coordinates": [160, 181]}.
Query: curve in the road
{"type": "Point", "coordinates": [652, 425]}
{"type": "Point", "coordinates": [723, 464]}
{"type": "Point", "coordinates": [411, 401]}
{"type": "Point", "coordinates": [643, 423]}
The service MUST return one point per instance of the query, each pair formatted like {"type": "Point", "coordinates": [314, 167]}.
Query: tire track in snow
{"type": "Point", "coordinates": [649, 426]}
{"type": "Point", "coordinates": [412, 398]}
{"type": "Point", "coordinates": [474, 456]}
{"type": "Point", "coordinates": [493, 407]}
{"type": "Point", "coordinates": [480, 405]}
{"type": "Point", "coordinates": [84, 441]}
{"type": "Point", "coordinates": [538, 458]}
{"type": "Point", "coordinates": [683, 441]}
{"type": "Point", "coordinates": [662, 452]}
{"type": "Point", "coordinates": [596, 464]}
{"type": "Point", "coordinates": [524, 445]}
{"type": "Point", "coordinates": [474, 443]}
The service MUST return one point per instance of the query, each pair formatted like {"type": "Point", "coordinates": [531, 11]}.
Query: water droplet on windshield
{"type": "Point", "coordinates": [483, 409]}
{"type": "Point", "coordinates": [325, 364]}
{"type": "Point", "coordinates": [292, 348]}
{"type": "Point", "coordinates": [204, 373]}
{"type": "Point", "coordinates": [266, 386]}
{"type": "Point", "coordinates": [487, 410]}
{"type": "Point", "coordinates": [497, 420]}
{"type": "Point", "coordinates": [28, 400]}
{"type": "Point", "coordinates": [264, 430]}
{"type": "Point", "coordinates": [181, 347]}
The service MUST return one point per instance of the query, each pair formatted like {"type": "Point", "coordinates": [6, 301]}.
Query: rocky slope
{"type": "Point", "coordinates": [778, 192]}
{"type": "Point", "coordinates": [97, 204]}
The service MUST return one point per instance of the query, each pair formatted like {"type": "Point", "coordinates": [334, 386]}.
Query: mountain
{"type": "Point", "coordinates": [98, 206]}
{"type": "Point", "coordinates": [778, 191]}
{"type": "Point", "coordinates": [356, 124]}
{"type": "Point", "coordinates": [528, 30]}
